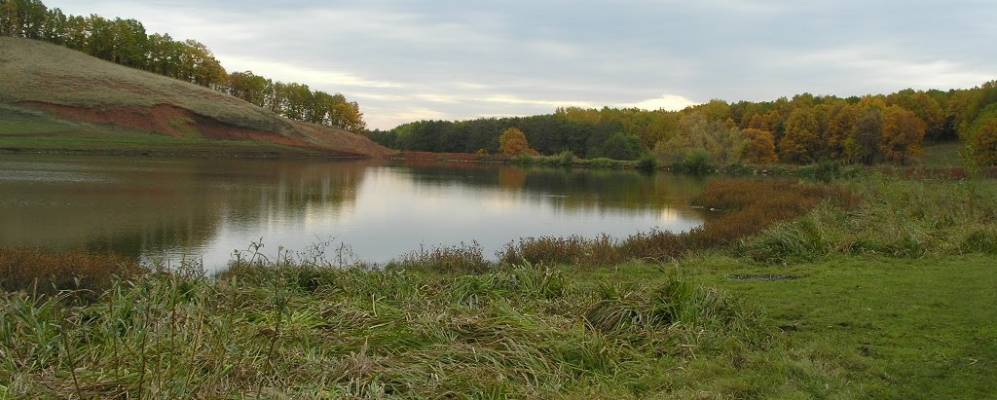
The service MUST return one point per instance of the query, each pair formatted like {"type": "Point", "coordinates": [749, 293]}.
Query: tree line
{"type": "Point", "coordinates": [804, 129]}
{"type": "Point", "coordinates": [126, 42]}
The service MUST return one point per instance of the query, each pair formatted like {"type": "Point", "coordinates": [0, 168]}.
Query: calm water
{"type": "Point", "coordinates": [163, 209]}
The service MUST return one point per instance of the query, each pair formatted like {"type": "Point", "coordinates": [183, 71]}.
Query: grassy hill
{"type": "Point", "coordinates": [54, 98]}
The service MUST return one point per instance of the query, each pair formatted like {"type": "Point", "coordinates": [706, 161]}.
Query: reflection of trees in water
{"type": "Point", "coordinates": [511, 178]}
{"type": "Point", "coordinates": [574, 189]}
{"type": "Point", "coordinates": [143, 205]}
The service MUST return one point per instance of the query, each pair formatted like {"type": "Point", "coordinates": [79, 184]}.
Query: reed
{"type": "Point", "coordinates": [737, 208]}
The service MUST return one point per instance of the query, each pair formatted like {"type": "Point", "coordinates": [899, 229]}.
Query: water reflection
{"type": "Point", "coordinates": [159, 207]}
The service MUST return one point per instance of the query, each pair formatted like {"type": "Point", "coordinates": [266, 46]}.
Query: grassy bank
{"type": "Point", "coordinates": [888, 297]}
{"type": "Point", "coordinates": [27, 131]}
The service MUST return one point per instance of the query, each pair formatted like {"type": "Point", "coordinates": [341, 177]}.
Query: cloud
{"type": "Point", "coordinates": [668, 102]}
{"type": "Point", "coordinates": [507, 99]}
{"type": "Point", "coordinates": [404, 60]}
{"type": "Point", "coordinates": [291, 73]}
{"type": "Point", "coordinates": [420, 113]}
{"type": "Point", "coordinates": [877, 66]}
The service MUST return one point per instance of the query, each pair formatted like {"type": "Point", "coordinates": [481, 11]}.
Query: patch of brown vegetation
{"type": "Point", "coordinates": [338, 140]}
{"type": "Point", "coordinates": [40, 272]}
{"type": "Point", "coordinates": [743, 207]}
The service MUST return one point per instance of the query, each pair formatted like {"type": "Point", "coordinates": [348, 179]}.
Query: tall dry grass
{"type": "Point", "coordinates": [41, 272]}
{"type": "Point", "coordinates": [739, 208]}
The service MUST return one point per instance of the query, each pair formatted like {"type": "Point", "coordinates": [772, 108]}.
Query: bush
{"type": "Point", "coordinates": [565, 159]}
{"type": "Point", "coordinates": [464, 258]}
{"type": "Point", "coordinates": [620, 146]}
{"type": "Point", "coordinates": [696, 162]}
{"type": "Point", "coordinates": [647, 163]}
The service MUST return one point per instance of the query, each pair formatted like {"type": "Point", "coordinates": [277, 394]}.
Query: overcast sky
{"type": "Point", "coordinates": [441, 59]}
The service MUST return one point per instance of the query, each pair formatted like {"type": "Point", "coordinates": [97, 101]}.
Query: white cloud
{"type": "Point", "coordinates": [668, 102]}
{"type": "Point", "coordinates": [507, 99]}
{"type": "Point", "coordinates": [879, 67]}
{"type": "Point", "coordinates": [292, 73]}
{"type": "Point", "coordinates": [419, 113]}
{"type": "Point", "coordinates": [438, 98]}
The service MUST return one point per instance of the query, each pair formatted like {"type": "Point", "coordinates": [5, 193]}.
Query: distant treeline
{"type": "Point", "coordinates": [125, 42]}
{"type": "Point", "coordinates": [804, 129]}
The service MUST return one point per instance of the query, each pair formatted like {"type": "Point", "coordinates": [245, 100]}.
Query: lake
{"type": "Point", "coordinates": [164, 209]}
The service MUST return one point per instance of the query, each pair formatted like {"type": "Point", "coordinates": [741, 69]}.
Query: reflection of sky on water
{"type": "Point", "coordinates": [205, 208]}
{"type": "Point", "coordinates": [393, 214]}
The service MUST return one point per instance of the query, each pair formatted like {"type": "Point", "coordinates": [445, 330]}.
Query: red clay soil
{"type": "Point", "coordinates": [165, 119]}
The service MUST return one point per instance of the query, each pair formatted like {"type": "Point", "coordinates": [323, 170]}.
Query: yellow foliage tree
{"type": "Point", "coordinates": [760, 147]}
{"type": "Point", "coordinates": [513, 143]}
{"type": "Point", "coordinates": [802, 139]}
{"type": "Point", "coordinates": [983, 144]}
{"type": "Point", "coordinates": [844, 119]}
{"type": "Point", "coordinates": [903, 134]}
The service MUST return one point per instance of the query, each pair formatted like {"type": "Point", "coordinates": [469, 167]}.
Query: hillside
{"type": "Point", "coordinates": [55, 98]}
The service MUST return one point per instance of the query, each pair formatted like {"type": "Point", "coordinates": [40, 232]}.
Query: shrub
{"type": "Point", "coordinates": [696, 162]}
{"type": "Point", "coordinates": [981, 240]}
{"type": "Point", "coordinates": [463, 258]}
{"type": "Point", "coordinates": [620, 146]}
{"type": "Point", "coordinates": [670, 305]}
{"type": "Point", "coordinates": [647, 163]}
{"type": "Point", "coordinates": [565, 158]}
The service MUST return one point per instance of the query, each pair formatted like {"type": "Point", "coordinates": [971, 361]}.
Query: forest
{"type": "Point", "coordinates": [126, 42]}
{"type": "Point", "coordinates": [804, 129]}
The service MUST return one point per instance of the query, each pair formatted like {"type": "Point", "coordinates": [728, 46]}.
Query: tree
{"type": "Point", "coordinates": [983, 144]}
{"type": "Point", "coordinates": [10, 21]}
{"type": "Point", "coordinates": [862, 145]}
{"type": "Point", "coordinates": [23, 18]}
{"type": "Point", "coordinates": [760, 146]}
{"type": "Point", "coordinates": [926, 108]}
{"type": "Point", "coordinates": [723, 143]}
{"type": "Point", "coordinates": [903, 133]}
{"type": "Point", "coordinates": [843, 120]}
{"type": "Point", "coordinates": [801, 142]}
{"type": "Point", "coordinates": [621, 146]}
{"type": "Point", "coordinates": [513, 143]}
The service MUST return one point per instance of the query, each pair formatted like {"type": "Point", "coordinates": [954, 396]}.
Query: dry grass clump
{"type": "Point", "coordinates": [463, 258]}
{"type": "Point", "coordinates": [896, 219]}
{"type": "Point", "coordinates": [40, 272]}
{"type": "Point", "coordinates": [742, 208]}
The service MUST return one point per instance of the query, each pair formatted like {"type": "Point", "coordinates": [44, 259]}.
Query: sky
{"type": "Point", "coordinates": [407, 60]}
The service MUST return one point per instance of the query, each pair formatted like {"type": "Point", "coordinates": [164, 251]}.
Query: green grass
{"type": "Point", "coordinates": [880, 327]}
{"type": "Point", "coordinates": [890, 299]}
{"type": "Point", "coordinates": [943, 155]}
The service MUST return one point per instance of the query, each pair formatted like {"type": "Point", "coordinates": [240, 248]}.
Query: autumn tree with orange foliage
{"type": "Point", "coordinates": [802, 140]}
{"type": "Point", "coordinates": [760, 147]}
{"type": "Point", "coordinates": [983, 143]}
{"type": "Point", "coordinates": [513, 143]}
{"type": "Point", "coordinates": [903, 133]}
{"type": "Point", "coordinates": [840, 126]}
